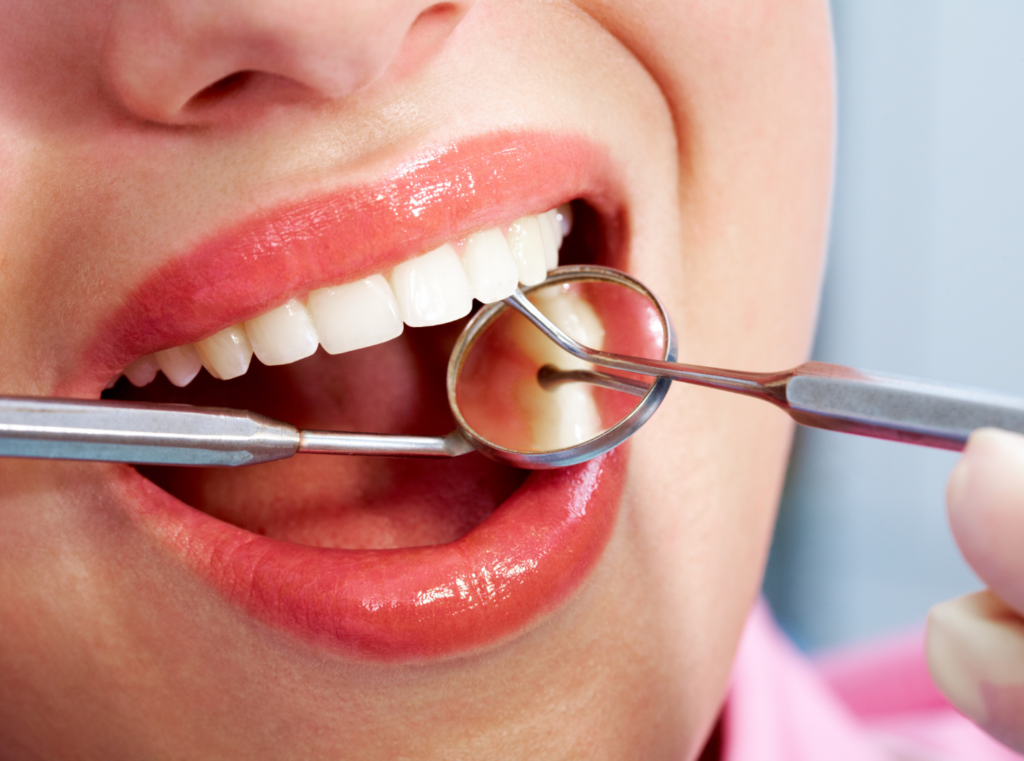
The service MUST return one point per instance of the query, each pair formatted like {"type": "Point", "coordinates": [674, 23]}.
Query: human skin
{"type": "Point", "coordinates": [717, 119]}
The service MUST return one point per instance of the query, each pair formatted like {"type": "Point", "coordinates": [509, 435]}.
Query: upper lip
{"type": "Point", "coordinates": [423, 201]}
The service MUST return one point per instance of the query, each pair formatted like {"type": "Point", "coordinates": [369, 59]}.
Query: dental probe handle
{"type": "Point", "coordinates": [179, 434]}
{"type": "Point", "coordinates": [891, 407]}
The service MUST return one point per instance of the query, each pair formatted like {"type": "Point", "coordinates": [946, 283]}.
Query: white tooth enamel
{"type": "Point", "coordinates": [355, 315]}
{"type": "Point", "coordinates": [554, 219]}
{"type": "Point", "coordinates": [560, 418]}
{"type": "Point", "coordinates": [283, 335]}
{"type": "Point", "coordinates": [432, 289]}
{"type": "Point", "coordinates": [180, 364]}
{"type": "Point", "coordinates": [567, 415]}
{"type": "Point", "coordinates": [564, 216]}
{"type": "Point", "coordinates": [550, 239]}
{"type": "Point", "coordinates": [227, 354]}
{"type": "Point", "coordinates": [142, 371]}
{"type": "Point", "coordinates": [527, 247]}
{"type": "Point", "coordinates": [489, 266]}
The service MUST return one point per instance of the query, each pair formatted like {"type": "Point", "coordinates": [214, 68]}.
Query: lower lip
{"type": "Point", "coordinates": [413, 604]}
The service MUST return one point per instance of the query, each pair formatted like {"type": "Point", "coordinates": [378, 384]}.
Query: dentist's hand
{"type": "Point", "coordinates": [976, 643]}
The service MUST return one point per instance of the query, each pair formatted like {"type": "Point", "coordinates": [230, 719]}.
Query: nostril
{"type": "Point", "coordinates": [222, 89]}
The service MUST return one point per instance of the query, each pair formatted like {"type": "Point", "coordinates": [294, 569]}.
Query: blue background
{"type": "Point", "coordinates": [925, 276]}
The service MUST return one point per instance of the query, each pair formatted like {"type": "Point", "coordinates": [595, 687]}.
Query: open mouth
{"type": "Point", "coordinates": [363, 356]}
{"type": "Point", "coordinates": [381, 557]}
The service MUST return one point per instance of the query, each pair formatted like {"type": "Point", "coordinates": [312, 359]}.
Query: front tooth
{"type": "Point", "coordinates": [142, 371]}
{"type": "Point", "coordinates": [549, 238]}
{"type": "Point", "coordinates": [355, 315]}
{"type": "Point", "coordinates": [489, 266]}
{"type": "Point", "coordinates": [527, 247]}
{"type": "Point", "coordinates": [432, 289]}
{"type": "Point", "coordinates": [283, 335]}
{"type": "Point", "coordinates": [180, 364]}
{"type": "Point", "coordinates": [227, 354]}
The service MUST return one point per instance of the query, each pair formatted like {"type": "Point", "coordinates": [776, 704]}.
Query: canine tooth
{"type": "Point", "coordinates": [355, 315]}
{"type": "Point", "coordinates": [283, 335]}
{"type": "Point", "coordinates": [565, 217]}
{"type": "Point", "coordinates": [527, 247]}
{"type": "Point", "coordinates": [550, 239]}
{"type": "Point", "coordinates": [226, 354]}
{"type": "Point", "coordinates": [489, 266]}
{"type": "Point", "coordinates": [142, 371]}
{"type": "Point", "coordinates": [180, 364]}
{"type": "Point", "coordinates": [432, 289]}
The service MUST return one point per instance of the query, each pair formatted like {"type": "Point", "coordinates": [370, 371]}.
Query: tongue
{"type": "Point", "coordinates": [344, 502]}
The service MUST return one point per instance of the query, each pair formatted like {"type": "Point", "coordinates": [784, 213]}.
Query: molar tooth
{"type": "Point", "coordinates": [565, 217]}
{"type": "Point", "coordinates": [355, 315]}
{"type": "Point", "coordinates": [283, 335]}
{"type": "Point", "coordinates": [562, 417]}
{"type": "Point", "coordinates": [527, 247]}
{"type": "Point", "coordinates": [574, 316]}
{"type": "Point", "coordinates": [180, 364]}
{"type": "Point", "coordinates": [489, 266]}
{"type": "Point", "coordinates": [142, 371]}
{"type": "Point", "coordinates": [432, 289]}
{"type": "Point", "coordinates": [226, 354]}
{"type": "Point", "coordinates": [567, 415]}
{"type": "Point", "coordinates": [550, 239]}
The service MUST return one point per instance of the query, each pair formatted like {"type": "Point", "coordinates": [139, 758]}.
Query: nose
{"type": "Point", "coordinates": [197, 61]}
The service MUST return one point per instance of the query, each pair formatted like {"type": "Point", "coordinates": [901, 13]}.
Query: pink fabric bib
{"type": "Point", "coordinates": [872, 703]}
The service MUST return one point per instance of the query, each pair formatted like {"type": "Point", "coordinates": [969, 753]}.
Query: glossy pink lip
{"type": "Point", "coordinates": [386, 605]}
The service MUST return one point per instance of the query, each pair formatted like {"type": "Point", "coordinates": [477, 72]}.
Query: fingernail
{"type": "Point", "coordinates": [975, 650]}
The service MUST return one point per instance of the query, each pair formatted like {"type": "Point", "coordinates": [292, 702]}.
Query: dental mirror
{"type": "Point", "coordinates": [601, 370]}
{"type": "Point", "coordinates": [521, 399]}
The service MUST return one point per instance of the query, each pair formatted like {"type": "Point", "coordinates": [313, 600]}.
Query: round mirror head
{"type": "Point", "coordinates": [522, 400]}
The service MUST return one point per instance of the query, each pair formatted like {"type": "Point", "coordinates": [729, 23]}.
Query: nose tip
{"type": "Point", "coordinates": [197, 61]}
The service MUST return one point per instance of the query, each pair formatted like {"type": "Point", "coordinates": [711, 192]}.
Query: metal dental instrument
{"type": "Point", "coordinates": [814, 394]}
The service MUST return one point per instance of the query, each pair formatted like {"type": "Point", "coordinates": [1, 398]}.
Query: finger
{"type": "Point", "coordinates": [975, 648]}
{"type": "Point", "coordinates": [986, 511]}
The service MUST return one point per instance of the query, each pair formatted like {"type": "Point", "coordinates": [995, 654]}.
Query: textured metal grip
{"type": "Point", "coordinates": [899, 409]}
{"type": "Point", "coordinates": [165, 434]}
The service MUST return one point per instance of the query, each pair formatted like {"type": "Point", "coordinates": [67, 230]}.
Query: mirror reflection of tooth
{"type": "Point", "coordinates": [180, 364]}
{"type": "Point", "coordinates": [283, 335]}
{"type": "Point", "coordinates": [559, 418]}
{"type": "Point", "coordinates": [355, 315]}
{"type": "Point", "coordinates": [527, 247]}
{"type": "Point", "coordinates": [432, 289]}
{"type": "Point", "coordinates": [570, 313]}
{"type": "Point", "coordinates": [142, 371]}
{"type": "Point", "coordinates": [489, 266]}
{"type": "Point", "coordinates": [226, 354]}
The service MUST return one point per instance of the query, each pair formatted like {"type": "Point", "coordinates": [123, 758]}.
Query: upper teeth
{"type": "Point", "coordinates": [433, 288]}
